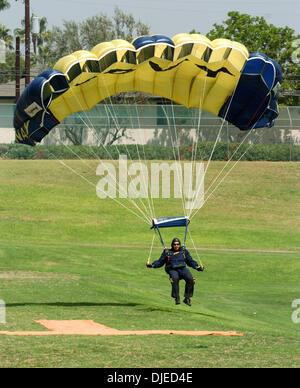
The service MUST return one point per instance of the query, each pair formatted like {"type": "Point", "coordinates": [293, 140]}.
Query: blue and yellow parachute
{"type": "Point", "coordinates": [218, 76]}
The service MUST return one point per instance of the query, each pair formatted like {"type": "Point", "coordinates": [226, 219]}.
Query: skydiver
{"type": "Point", "coordinates": [175, 261]}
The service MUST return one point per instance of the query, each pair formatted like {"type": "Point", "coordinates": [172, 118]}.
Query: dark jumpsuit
{"type": "Point", "coordinates": [175, 263]}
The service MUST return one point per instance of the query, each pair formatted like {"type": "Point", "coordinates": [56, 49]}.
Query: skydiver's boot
{"type": "Point", "coordinates": [187, 301]}
{"type": "Point", "coordinates": [177, 300]}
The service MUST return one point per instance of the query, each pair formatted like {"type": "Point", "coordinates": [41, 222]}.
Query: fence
{"type": "Point", "coordinates": [155, 125]}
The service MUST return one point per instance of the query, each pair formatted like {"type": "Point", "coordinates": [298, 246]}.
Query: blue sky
{"type": "Point", "coordinates": [167, 17]}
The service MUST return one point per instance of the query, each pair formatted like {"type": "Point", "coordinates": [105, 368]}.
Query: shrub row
{"type": "Point", "coordinates": [222, 151]}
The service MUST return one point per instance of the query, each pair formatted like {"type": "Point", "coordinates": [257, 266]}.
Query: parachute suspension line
{"type": "Point", "coordinates": [128, 152]}
{"type": "Point", "coordinates": [208, 163]}
{"type": "Point", "coordinates": [148, 219]}
{"type": "Point", "coordinates": [212, 152]}
{"type": "Point", "coordinates": [156, 228]}
{"type": "Point", "coordinates": [185, 234]}
{"type": "Point", "coordinates": [92, 184]}
{"type": "Point", "coordinates": [230, 153]}
{"type": "Point", "coordinates": [151, 248]}
{"type": "Point", "coordinates": [107, 79]}
{"type": "Point", "coordinates": [150, 198]}
{"type": "Point", "coordinates": [203, 154]}
{"type": "Point", "coordinates": [198, 257]}
{"type": "Point", "coordinates": [196, 140]}
{"type": "Point", "coordinates": [201, 101]}
{"type": "Point", "coordinates": [78, 174]}
{"type": "Point", "coordinates": [149, 210]}
{"type": "Point", "coordinates": [217, 174]}
{"type": "Point", "coordinates": [177, 144]}
{"type": "Point", "coordinates": [176, 164]}
{"type": "Point", "coordinates": [196, 194]}
{"type": "Point", "coordinates": [105, 148]}
{"type": "Point", "coordinates": [74, 171]}
{"type": "Point", "coordinates": [219, 183]}
{"type": "Point", "coordinates": [228, 172]}
{"type": "Point", "coordinates": [114, 118]}
{"type": "Point", "coordinates": [291, 127]}
{"type": "Point", "coordinates": [249, 131]}
{"type": "Point", "coordinates": [145, 183]}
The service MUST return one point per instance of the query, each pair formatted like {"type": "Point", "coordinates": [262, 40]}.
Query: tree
{"type": "Point", "coordinates": [257, 35]}
{"type": "Point", "coordinates": [45, 55]}
{"type": "Point", "coordinates": [6, 69]}
{"type": "Point", "coordinates": [102, 28]}
{"type": "Point", "coordinates": [5, 32]}
{"type": "Point", "coordinates": [127, 27]}
{"type": "Point", "coordinates": [4, 5]}
{"type": "Point", "coordinates": [5, 35]}
{"type": "Point", "coordinates": [75, 36]}
{"type": "Point", "coordinates": [96, 29]}
{"type": "Point", "coordinates": [66, 40]}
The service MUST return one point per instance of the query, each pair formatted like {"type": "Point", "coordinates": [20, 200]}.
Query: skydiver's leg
{"type": "Point", "coordinates": [174, 279]}
{"type": "Point", "coordinates": [189, 283]}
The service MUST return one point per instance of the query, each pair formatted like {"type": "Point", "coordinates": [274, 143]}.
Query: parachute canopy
{"type": "Point", "coordinates": [218, 76]}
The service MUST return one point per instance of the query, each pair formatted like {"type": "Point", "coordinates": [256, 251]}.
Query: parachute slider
{"type": "Point", "coordinates": [169, 222]}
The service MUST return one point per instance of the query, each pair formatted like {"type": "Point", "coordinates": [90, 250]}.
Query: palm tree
{"type": "Point", "coordinates": [6, 37]}
{"type": "Point", "coordinates": [4, 4]}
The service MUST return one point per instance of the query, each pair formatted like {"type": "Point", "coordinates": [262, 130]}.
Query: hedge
{"type": "Point", "coordinates": [222, 151]}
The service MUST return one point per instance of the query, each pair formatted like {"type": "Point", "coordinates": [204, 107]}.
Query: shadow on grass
{"type": "Point", "coordinates": [175, 309]}
{"type": "Point", "coordinates": [141, 306]}
{"type": "Point", "coordinates": [70, 304]}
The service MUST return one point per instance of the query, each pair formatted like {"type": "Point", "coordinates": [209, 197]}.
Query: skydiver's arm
{"type": "Point", "coordinates": [190, 261]}
{"type": "Point", "coordinates": [161, 261]}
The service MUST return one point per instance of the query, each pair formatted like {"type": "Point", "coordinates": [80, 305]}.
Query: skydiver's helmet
{"type": "Point", "coordinates": [175, 240]}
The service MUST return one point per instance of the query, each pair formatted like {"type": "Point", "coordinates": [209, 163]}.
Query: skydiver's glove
{"type": "Point", "coordinates": [200, 268]}
{"type": "Point", "coordinates": [148, 265]}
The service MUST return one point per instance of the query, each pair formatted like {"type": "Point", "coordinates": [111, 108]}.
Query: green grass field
{"type": "Point", "coordinates": [66, 254]}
